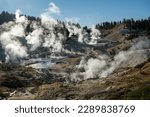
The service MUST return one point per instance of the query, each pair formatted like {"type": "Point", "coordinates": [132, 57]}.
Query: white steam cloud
{"type": "Point", "coordinates": [11, 39]}
{"type": "Point", "coordinates": [46, 16]}
{"type": "Point", "coordinates": [83, 35]}
{"type": "Point", "coordinates": [74, 30]}
{"type": "Point", "coordinates": [19, 18]}
{"type": "Point", "coordinates": [52, 9]}
{"type": "Point", "coordinates": [48, 33]}
{"type": "Point", "coordinates": [104, 66]}
{"type": "Point", "coordinates": [95, 35]}
{"type": "Point", "coordinates": [35, 38]}
{"type": "Point", "coordinates": [53, 40]}
{"type": "Point", "coordinates": [72, 20]}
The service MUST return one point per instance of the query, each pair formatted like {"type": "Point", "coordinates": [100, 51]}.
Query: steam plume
{"type": "Point", "coordinates": [11, 39]}
{"type": "Point", "coordinates": [103, 66]}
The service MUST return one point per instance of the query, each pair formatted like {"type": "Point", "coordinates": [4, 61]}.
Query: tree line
{"type": "Point", "coordinates": [6, 17]}
{"type": "Point", "coordinates": [131, 24]}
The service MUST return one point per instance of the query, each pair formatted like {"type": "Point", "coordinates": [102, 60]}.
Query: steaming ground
{"type": "Point", "coordinates": [47, 38]}
{"type": "Point", "coordinates": [24, 39]}
{"type": "Point", "coordinates": [43, 58]}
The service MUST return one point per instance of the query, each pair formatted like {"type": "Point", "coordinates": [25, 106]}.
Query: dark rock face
{"type": "Point", "coordinates": [2, 55]}
{"type": "Point", "coordinates": [12, 83]}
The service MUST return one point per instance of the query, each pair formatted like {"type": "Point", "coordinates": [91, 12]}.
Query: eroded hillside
{"type": "Point", "coordinates": [50, 59]}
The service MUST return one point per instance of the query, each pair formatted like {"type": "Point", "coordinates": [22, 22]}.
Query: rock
{"type": "Point", "coordinates": [146, 69]}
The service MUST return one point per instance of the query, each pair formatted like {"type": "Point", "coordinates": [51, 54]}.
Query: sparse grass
{"type": "Point", "coordinates": [142, 93]}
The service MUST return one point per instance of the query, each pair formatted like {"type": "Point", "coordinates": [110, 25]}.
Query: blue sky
{"type": "Point", "coordinates": [88, 11]}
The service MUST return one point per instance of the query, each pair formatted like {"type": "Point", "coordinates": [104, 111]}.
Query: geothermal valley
{"type": "Point", "coordinates": [44, 58]}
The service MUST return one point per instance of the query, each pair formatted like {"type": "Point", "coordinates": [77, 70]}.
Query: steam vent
{"type": "Point", "coordinates": [45, 58]}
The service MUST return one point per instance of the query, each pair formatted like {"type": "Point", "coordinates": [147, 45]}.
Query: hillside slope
{"type": "Point", "coordinates": [28, 84]}
{"type": "Point", "coordinates": [50, 59]}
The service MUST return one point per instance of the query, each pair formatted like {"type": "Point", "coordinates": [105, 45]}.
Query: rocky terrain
{"type": "Point", "coordinates": [27, 83]}
{"type": "Point", "coordinates": [48, 59]}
